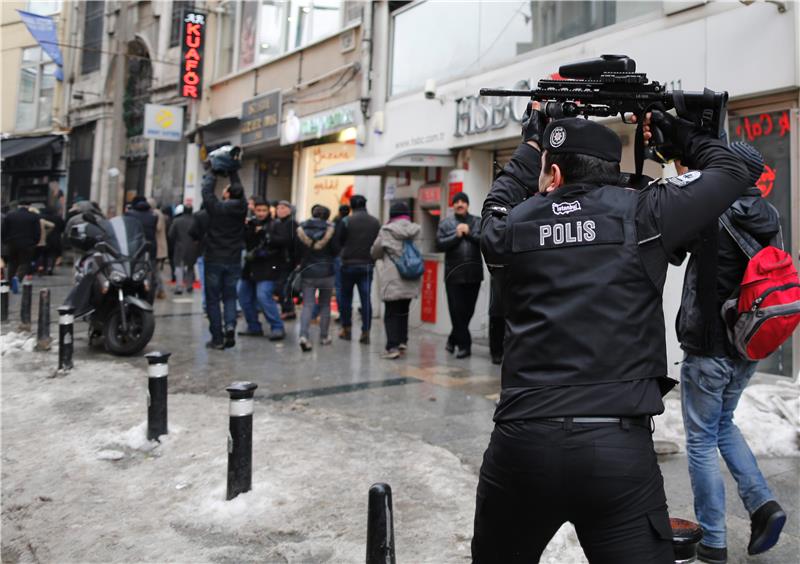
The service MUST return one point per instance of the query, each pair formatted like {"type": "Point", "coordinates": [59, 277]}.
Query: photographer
{"type": "Point", "coordinates": [584, 263]}
{"type": "Point", "coordinates": [263, 262]}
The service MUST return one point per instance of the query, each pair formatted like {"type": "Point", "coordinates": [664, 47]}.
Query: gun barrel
{"type": "Point", "coordinates": [501, 92]}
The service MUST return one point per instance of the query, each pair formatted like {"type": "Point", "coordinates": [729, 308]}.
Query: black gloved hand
{"type": "Point", "coordinates": [675, 130]}
{"type": "Point", "coordinates": [533, 124]}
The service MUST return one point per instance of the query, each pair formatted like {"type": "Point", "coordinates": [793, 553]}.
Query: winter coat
{"type": "Point", "coordinates": [284, 239]}
{"type": "Point", "coordinates": [463, 263]}
{"type": "Point", "coordinates": [708, 337]}
{"type": "Point", "coordinates": [356, 233]}
{"type": "Point", "coordinates": [265, 257]}
{"type": "Point", "coordinates": [185, 248]}
{"type": "Point", "coordinates": [225, 236]}
{"type": "Point", "coordinates": [21, 229]}
{"type": "Point", "coordinates": [144, 213]}
{"type": "Point", "coordinates": [316, 239]}
{"type": "Point", "coordinates": [387, 247]}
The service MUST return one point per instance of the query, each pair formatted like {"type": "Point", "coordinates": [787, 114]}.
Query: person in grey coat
{"type": "Point", "coordinates": [185, 248]}
{"type": "Point", "coordinates": [396, 292]}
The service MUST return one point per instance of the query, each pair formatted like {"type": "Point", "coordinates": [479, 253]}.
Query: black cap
{"type": "Point", "coordinates": [582, 136]}
{"type": "Point", "coordinates": [460, 197]}
{"type": "Point", "coordinates": [398, 209]}
{"type": "Point", "coordinates": [751, 157]}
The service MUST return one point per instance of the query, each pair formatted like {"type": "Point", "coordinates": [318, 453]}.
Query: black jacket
{"type": "Point", "coordinates": [144, 213]}
{"type": "Point", "coordinates": [319, 249]}
{"type": "Point", "coordinates": [700, 330]}
{"type": "Point", "coordinates": [21, 228]}
{"type": "Point", "coordinates": [462, 260]}
{"type": "Point", "coordinates": [558, 358]}
{"type": "Point", "coordinates": [185, 248]}
{"type": "Point", "coordinates": [225, 237]}
{"type": "Point", "coordinates": [266, 254]}
{"type": "Point", "coordinates": [284, 233]}
{"type": "Point", "coordinates": [355, 236]}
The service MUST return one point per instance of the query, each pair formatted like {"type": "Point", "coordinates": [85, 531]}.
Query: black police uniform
{"type": "Point", "coordinates": [585, 356]}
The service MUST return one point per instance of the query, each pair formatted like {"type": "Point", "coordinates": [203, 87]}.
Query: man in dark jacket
{"type": "Point", "coordinates": [713, 375]}
{"type": "Point", "coordinates": [356, 233]}
{"type": "Point", "coordinates": [184, 248]}
{"type": "Point", "coordinates": [223, 248]}
{"type": "Point", "coordinates": [263, 262]}
{"type": "Point", "coordinates": [284, 231]}
{"type": "Point", "coordinates": [459, 236]}
{"type": "Point", "coordinates": [142, 211]}
{"type": "Point", "coordinates": [21, 233]}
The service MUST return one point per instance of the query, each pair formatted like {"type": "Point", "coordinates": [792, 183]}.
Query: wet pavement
{"type": "Point", "coordinates": [427, 393]}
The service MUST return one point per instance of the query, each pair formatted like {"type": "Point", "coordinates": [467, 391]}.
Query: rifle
{"type": "Point", "coordinates": [609, 85]}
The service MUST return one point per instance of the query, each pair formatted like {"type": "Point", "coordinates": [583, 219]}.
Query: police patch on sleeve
{"type": "Point", "coordinates": [685, 179]}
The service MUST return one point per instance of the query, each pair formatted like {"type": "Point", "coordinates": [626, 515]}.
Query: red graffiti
{"type": "Point", "coordinates": [763, 125]}
{"type": "Point", "coordinates": [766, 181]}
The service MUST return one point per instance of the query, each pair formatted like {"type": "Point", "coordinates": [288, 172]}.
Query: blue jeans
{"type": "Point", "coordinates": [710, 390]}
{"type": "Point", "coordinates": [359, 275]}
{"type": "Point", "coordinates": [337, 275]}
{"type": "Point", "coordinates": [202, 277]}
{"type": "Point", "coordinates": [255, 296]}
{"type": "Point", "coordinates": [220, 284]}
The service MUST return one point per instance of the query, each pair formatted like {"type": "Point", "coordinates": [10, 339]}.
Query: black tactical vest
{"type": "Point", "coordinates": [579, 305]}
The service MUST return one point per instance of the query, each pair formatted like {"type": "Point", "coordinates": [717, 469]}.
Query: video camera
{"type": "Point", "coordinates": [609, 85]}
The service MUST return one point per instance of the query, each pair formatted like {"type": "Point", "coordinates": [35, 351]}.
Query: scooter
{"type": "Point", "coordinates": [113, 283]}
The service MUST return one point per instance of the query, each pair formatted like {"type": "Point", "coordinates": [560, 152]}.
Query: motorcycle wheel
{"type": "Point", "coordinates": [141, 325]}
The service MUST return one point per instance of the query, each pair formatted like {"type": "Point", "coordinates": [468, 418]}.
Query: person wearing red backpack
{"type": "Point", "coordinates": [714, 375]}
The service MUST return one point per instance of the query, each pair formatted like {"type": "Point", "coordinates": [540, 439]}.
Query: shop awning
{"type": "Point", "coordinates": [410, 158]}
{"type": "Point", "coordinates": [21, 145]}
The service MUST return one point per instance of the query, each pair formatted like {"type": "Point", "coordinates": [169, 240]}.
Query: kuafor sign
{"type": "Point", "coordinates": [192, 44]}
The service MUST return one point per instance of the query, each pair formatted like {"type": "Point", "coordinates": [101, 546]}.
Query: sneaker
{"type": "Point", "coordinates": [305, 344]}
{"type": "Point", "coordinates": [766, 524]}
{"type": "Point", "coordinates": [325, 341]}
{"type": "Point", "coordinates": [364, 339]}
{"type": "Point", "coordinates": [277, 335]}
{"type": "Point", "coordinates": [402, 347]}
{"type": "Point", "coordinates": [250, 333]}
{"type": "Point", "coordinates": [216, 345]}
{"type": "Point", "coordinates": [463, 353]}
{"type": "Point", "coordinates": [450, 347]}
{"type": "Point", "coordinates": [712, 555]}
{"type": "Point", "coordinates": [230, 338]}
{"type": "Point", "coordinates": [391, 354]}
{"type": "Point", "coordinates": [344, 334]}
{"type": "Point", "coordinates": [178, 291]}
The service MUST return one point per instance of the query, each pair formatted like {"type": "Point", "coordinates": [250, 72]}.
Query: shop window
{"type": "Point", "coordinates": [92, 35]}
{"type": "Point", "coordinates": [36, 88]}
{"type": "Point", "coordinates": [178, 9]}
{"type": "Point", "coordinates": [227, 39]}
{"type": "Point", "coordinates": [770, 133]}
{"type": "Point", "coordinates": [467, 36]}
{"type": "Point", "coordinates": [44, 7]}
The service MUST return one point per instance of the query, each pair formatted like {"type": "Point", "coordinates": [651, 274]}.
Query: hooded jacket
{"type": "Point", "coordinates": [702, 333]}
{"type": "Point", "coordinates": [388, 247]}
{"type": "Point", "coordinates": [316, 242]}
{"type": "Point", "coordinates": [142, 211]}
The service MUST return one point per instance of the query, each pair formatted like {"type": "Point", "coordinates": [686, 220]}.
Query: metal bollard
{"type": "Point", "coordinates": [157, 371]}
{"type": "Point", "coordinates": [27, 302]}
{"type": "Point", "coordinates": [66, 319]}
{"type": "Point", "coordinates": [4, 300]}
{"type": "Point", "coordinates": [43, 326]}
{"type": "Point", "coordinates": [380, 525]}
{"type": "Point", "coordinates": [240, 438]}
{"type": "Point", "coordinates": [685, 537]}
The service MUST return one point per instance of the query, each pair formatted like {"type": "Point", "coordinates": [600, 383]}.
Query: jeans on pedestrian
{"type": "Point", "coordinates": [310, 287]}
{"type": "Point", "coordinates": [258, 296]}
{"type": "Point", "coordinates": [710, 390]}
{"type": "Point", "coordinates": [220, 284]}
{"type": "Point", "coordinates": [395, 320]}
{"type": "Point", "coordinates": [461, 300]}
{"type": "Point", "coordinates": [201, 275]}
{"type": "Point", "coordinates": [337, 283]}
{"type": "Point", "coordinates": [360, 276]}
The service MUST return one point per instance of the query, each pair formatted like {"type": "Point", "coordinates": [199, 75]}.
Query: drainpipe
{"type": "Point", "coordinates": [366, 60]}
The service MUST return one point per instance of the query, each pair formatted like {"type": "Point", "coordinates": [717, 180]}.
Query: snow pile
{"type": "Point", "coordinates": [17, 342]}
{"type": "Point", "coordinates": [768, 416]}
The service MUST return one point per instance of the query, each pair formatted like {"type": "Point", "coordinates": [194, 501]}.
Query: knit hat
{"type": "Point", "coordinates": [399, 208]}
{"type": "Point", "coordinates": [752, 158]}
{"type": "Point", "coordinates": [460, 197]}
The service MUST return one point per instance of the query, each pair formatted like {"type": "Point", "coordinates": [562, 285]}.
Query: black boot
{"type": "Point", "coordinates": [712, 555]}
{"type": "Point", "coordinates": [766, 524]}
{"type": "Point", "coordinates": [230, 338]}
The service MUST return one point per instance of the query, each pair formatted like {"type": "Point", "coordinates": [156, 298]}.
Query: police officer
{"type": "Point", "coordinates": [584, 370]}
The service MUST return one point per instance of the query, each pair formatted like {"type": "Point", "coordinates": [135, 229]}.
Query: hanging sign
{"type": "Point", "coordinates": [192, 44]}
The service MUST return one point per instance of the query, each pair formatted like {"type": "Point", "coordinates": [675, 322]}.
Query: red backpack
{"type": "Point", "coordinates": [763, 312]}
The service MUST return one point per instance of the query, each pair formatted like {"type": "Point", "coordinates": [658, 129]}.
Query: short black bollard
{"type": "Point", "coordinates": [66, 319]}
{"type": "Point", "coordinates": [43, 326]}
{"type": "Point", "coordinates": [685, 537]}
{"type": "Point", "coordinates": [27, 302]}
{"type": "Point", "coordinates": [157, 372]}
{"type": "Point", "coordinates": [240, 438]}
{"type": "Point", "coordinates": [380, 525]}
{"type": "Point", "coordinates": [4, 300]}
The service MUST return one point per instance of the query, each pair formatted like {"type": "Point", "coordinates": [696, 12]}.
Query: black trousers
{"type": "Point", "coordinates": [19, 261]}
{"type": "Point", "coordinates": [461, 300]}
{"type": "Point", "coordinates": [603, 478]}
{"type": "Point", "coordinates": [497, 333]}
{"type": "Point", "coordinates": [395, 320]}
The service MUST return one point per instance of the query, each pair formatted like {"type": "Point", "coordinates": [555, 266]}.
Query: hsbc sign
{"type": "Point", "coordinates": [192, 44]}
